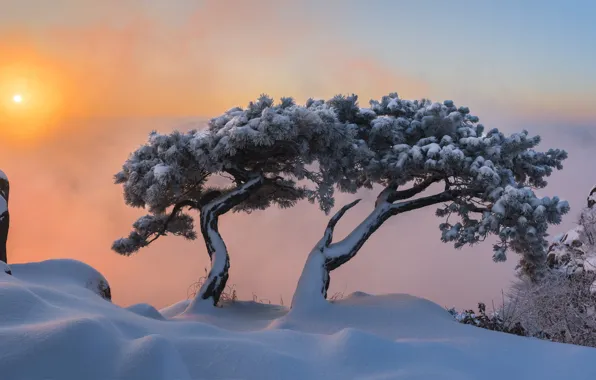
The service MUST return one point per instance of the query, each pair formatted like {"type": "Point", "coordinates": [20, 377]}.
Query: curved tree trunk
{"type": "Point", "coordinates": [315, 278]}
{"type": "Point", "coordinates": [327, 256]}
{"type": "Point", "coordinates": [4, 216]}
{"type": "Point", "coordinates": [4, 225]}
{"type": "Point", "coordinates": [215, 282]}
{"type": "Point", "coordinates": [211, 290]}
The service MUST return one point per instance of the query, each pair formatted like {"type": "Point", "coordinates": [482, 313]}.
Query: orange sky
{"type": "Point", "coordinates": [98, 76]}
{"type": "Point", "coordinates": [144, 68]}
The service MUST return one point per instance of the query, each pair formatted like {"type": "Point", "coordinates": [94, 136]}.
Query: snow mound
{"type": "Point", "coordinates": [53, 327]}
{"type": "Point", "coordinates": [397, 316]}
{"type": "Point", "coordinates": [64, 273]}
{"type": "Point", "coordinates": [146, 311]}
{"type": "Point", "coordinates": [175, 309]}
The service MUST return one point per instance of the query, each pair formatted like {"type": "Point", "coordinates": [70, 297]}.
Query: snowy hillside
{"type": "Point", "coordinates": [53, 326]}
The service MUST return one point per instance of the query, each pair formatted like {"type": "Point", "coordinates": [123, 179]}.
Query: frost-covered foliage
{"type": "Point", "coordinates": [488, 176]}
{"type": "Point", "coordinates": [280, 143]}
{"type": "Point", "coordinates": [494, 321]}
{"type": "Point", "coordinates": [587, 233]}
{"type": "Point", "coordinates": [559, 307]}
{"type": "Point", "coordinates": [149, 227]}
{"type": "Point", "coordinates": [574, 253]}
{"type": "Point", "coordinates": [592, 197]}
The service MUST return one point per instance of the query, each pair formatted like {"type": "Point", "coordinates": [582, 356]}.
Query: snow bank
{"type": "Point", "coordinates": [53, 327]}
{"type": "Point", "coordinates": [64, 274]}
{"type": "Point", "coordinates": [146, 311]}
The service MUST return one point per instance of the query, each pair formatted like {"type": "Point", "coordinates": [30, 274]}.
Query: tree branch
{"type": "Point", "coordinates": [414, 204]}
{"type": "Point", "coordinates": [414, 190]}
{"type": "Point", "coordinates": [227, 201]}
{"type": "Point", "coordinates": [328, 236]}
{"type": "Point", "coordinates": [480, 210]}
{"type": "Point", "coordinates": [238, 174]}
{"type": "Point", "coordinates": [177, 207]}
{"type": "Point", "coordinates": [386, 194]}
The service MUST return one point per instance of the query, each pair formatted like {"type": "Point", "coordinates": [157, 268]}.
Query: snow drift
{"type": "Point", "coordinates": [53, 327]}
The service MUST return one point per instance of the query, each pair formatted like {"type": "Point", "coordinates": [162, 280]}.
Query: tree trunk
{"type": "Point", "coordinates": [315, 278]}
{"type": "Point", "coordinates": [4, 224]}
{"type": "Point", "coordinates": [211, 290]}
{"type": "Point", "coordinates": [327, 256]}
{"type": "Point", "coordinates": [311, 290]}
{"type": "Point", "coordinates": [4, 216]}
{"type": "Point", "coordinates": [215, 282]}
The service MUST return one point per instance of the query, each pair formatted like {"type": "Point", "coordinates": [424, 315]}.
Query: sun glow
{"type": "Point", "coordinates": [32, 101]}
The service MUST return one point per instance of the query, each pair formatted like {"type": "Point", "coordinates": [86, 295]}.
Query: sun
{"type": "Point", "coordinates": [31, 101]}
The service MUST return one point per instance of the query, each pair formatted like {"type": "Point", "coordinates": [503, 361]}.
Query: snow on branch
{"type": "Point", "coordinates": [328, 236]}
{"type": "Point", "coordinates": [414, 190]}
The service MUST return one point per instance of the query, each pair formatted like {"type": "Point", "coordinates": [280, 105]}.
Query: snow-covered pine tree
{"type": "Point", "coordinates": [4, 215]}
{"type": "Point", "coordinates": [485, 179]}
{"type": "Point", "coordinates": [265, 150]}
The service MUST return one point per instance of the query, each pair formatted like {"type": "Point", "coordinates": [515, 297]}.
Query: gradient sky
{"type": "Point", "coordinates": [98, 76]}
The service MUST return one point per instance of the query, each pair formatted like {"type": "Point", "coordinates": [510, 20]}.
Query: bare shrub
{"type": "Point", "coordinates": [228, 295]}
{"type": "Point", "coordinates": [559, 308]}
{"type": "Point", "coordinates": [502, 319]}
{"type": "Point", "coordinates": [587, 220]}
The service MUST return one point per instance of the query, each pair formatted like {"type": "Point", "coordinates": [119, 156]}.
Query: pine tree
{"type": "Point", "coordinates": [443, 157]}
{"type": "Point", "coordinates": [262, 151]}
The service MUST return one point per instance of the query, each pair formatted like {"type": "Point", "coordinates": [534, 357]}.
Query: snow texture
{"type": "Point", "coordinates": [64, 274]}
{"type": "Point", "coordinates": [145, 310]}
{"type": "Point", "coordinates": [53, 327]}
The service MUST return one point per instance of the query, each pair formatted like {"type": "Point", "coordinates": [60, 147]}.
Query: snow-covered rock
{"type": "Point", "coordinates": [64, 274]}
{"type": "Point", "coordinates": [5, 268]}
{"type": "Point", "coordinates": [51, 327]}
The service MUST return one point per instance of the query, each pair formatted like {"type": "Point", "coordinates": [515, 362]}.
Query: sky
{"type": "Point", "coordinates": [97, 77]}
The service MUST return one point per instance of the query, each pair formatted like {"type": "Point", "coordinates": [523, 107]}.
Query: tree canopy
{"type": "Point", "coordinates": [283, 143]}
{"type": "Point", "coordinates": [483, 182]}
{"type": "Point", "coordinates": [489, 178]}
